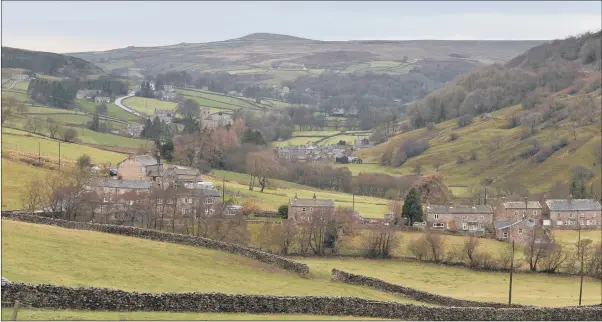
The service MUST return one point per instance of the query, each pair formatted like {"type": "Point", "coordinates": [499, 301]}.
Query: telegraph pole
{"type": "Point", "coordinates": [511, 270]}
{"type": "Point", "coordinates": [223, 189]}
{"type": "Point", "coordinates": [59, 155]}
{"type": "Point", "coordinates": [582, 248]}
{"type": "Point", "coordinates": [353, 202]}
{"type": "Point", "coordinates": [39, 154]}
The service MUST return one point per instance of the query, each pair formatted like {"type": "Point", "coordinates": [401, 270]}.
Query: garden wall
{"type": "Point", "coordinates": [253, 253]}
{"type": "Point", "coordinates": [408, 292]}
{"type": "Point", "coordinates": [66, 298]}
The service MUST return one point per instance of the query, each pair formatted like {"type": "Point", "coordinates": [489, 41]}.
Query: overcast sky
{"type": "Point", "coordinates": [89, 26]}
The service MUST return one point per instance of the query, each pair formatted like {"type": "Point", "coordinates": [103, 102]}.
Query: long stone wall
{"type": "Point", "coordinates": [408, 292]}
{"type": "Point", "coordinates": [66, 298]}
{"type": "Point", "coordinates": [253, 253]}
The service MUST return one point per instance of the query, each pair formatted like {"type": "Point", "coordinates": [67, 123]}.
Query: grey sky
{"type": "Point", "coordinates": [86, 26]}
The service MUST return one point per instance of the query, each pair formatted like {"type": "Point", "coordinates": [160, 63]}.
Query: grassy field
{"type": "Point", "coordinates": [16, 95]}
{"type": "Point", "coordinates": [349, 139]}
{"type": "Point", "coordinates": [147, 106]}
{"type": "Point", "coordinates": [64, 315]}
{"type": "Point", "coordinates": [501, 162]}
{"type": "Point", "coordinates": [297, 141]}
{"type": "Point", "coordinates": [568, 238]}
{"type": "Point", "coordinates": [530, 289]}
{"type": "Point", "coordinates": [315, 133]}
{"type": "Point", "coordinates": [21, 86]}
{"type": "Point", "coordinates": [271, 198]}
{"type": "Point", "coordinates": [45, 254]}
{"type": "Point", "coordinates": [113, 111]}
{"type": "Point", "coordinates": [22, 142]}
{"type": "Point", "coordinates": [15, 176]}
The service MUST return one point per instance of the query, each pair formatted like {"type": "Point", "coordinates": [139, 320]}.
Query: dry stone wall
{"type": "Point", "coordinates": [250, 252]}
{"type": "Point", "coordinates": [66, 298]}
{"type": "Point", "coordinates": [408, 292]}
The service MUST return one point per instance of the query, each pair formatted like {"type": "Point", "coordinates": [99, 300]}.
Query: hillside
{"type": "Point", "coordinates": [258, 53]}
{"type": "Point", "coordinates": [48, 63]}
{"type": "Point", "coordinates": [46, 254]}
{"type": "Point", "coordinates": [500, 154]}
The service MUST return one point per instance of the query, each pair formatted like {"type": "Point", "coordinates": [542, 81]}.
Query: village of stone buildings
{"type": "Point", "coordinates": [176, 193]}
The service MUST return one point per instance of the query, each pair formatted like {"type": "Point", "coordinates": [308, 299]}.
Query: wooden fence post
{"type": "Point", "coordinates": [16, 310]}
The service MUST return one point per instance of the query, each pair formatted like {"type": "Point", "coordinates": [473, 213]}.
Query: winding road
{"type": "Point", "coordinates": [119, 103]}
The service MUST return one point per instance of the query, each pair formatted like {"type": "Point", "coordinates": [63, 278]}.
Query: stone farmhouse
{"type": "Point", "coordinates": [86, 93]}
{"type": "Point", "coordinates": [102, 99]}
{"type": "Point", "coordinates": [302, 210]}
{"type": "Point", "coordinates": [165, 115]}
{"type": "Point", "coordinates": [314, 153]}
{"type": "Point", "coordinates": [214, 121]}
{"type": "Point", "coordinates": [472, 219]}
{"type": "Point", "coordinates": [169, 88]}
{"type": "Point", "coordinates": [133, 130]}
{"type": "Point", "coordinates": [573, 213]}
{"type": "Point", "coordinates": [136, 167]}
{"type": "Point", "coordinates": [180, 176]}
{"type": "Point", "coordinates": [517, 210]}
{"type": "Point", "coordinates": [112, 189]}
{"type": "Point", "coordinates": [204, 112]}
{"type": "Point", "coordinates": [520, 232]}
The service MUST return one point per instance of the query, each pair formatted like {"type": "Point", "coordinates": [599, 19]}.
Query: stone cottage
{"type": "Point", "coordinates": [474, 219]}
{"type": "Point", "coordinates": [135, 167]}
{"type": "Point", "coordinates": [573, 213]}
{"type": "Point", "coordinates": [517, 210]}
{"type": "Point", "coordinates": [302, 210]}
{"type": "Point", "coordinates": [521, 231]}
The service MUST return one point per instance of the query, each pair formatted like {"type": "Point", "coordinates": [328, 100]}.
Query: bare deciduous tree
{"type": "Point", "coordinates": [469, 248]}
{"type": "Point", "coordinates": [380, 241]}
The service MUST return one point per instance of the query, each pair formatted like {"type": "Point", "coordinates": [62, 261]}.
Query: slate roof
{"type": "Point", "coordinates": [476, 209]}
{"type": "Point", "coordinates": [312, 203]}
{"type": "Point", "coordinates": [146, 159]}
{"type": "Point", "coordinates": [155, 171]}
{"type": "Point", "coordinates": [186, 171]}
{"type": "Point", "coordinates": [123, 184]}
{"type": "Point", "coordinates": [506, 224]}
{"type": "Point", "coordinates": [521, 205]}
{"type": "Point", "coordinates": [573, 205]}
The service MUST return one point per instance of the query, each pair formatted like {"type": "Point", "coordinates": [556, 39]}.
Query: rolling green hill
{"type": "Point", "coordinates": [498, 152]}
{"type": "Point", "coordinates": [48, 63]}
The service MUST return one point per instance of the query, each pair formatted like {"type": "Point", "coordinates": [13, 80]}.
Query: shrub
{"type": "Point", "coordinates": [460, 160]}
{"type": "Point", "coordinates": [582, 173]}
{"type": "Point", "coordinates": [283, 211]}
{"type": "Point", "coordinates": [464, 120]}
{"type": "Point", "coordinates": [430, 126]}
{"type": "Point", "coordinates": [513, 121]}
{"type": "Point", "coordinates": [69, 134]}
{"type": "Point", "coordinates": [454, 136]}
{"type": "Point", "coordinates": [547, 150]}
{"type": "Point", "coordinates": [418, 248]}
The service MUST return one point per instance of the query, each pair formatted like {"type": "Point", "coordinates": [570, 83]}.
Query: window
{"type": "Point", "coordinates": [311, 208]}
{"type": "Point", "coordinates": [582, 215]}
{"type": "Point", "coordinates": [480, 225]}
{"type": "Point", "coordinates": [520, 231]}
{"type": "Point", "coordinates": [438, 225]}
{"type": "Point", "coordinates": [436, 216]}
{"type": "Point", "coordinates": [516, 213]}
{"type": "Point", "coordinates": [303, 208]}
{"type": "Point", "coordinates": [482, 217]}
{"type": "Point", "coordinates": [189, 200]}
{"type": "Point", "coordinates": [159, 201]}
{"type": "Point", "coordinates": [534, 212]}
{"type": "Point", "coordinates": [581, 222]}
{"type": "Point", "coordinates": [463, 218]}
{"type": "Point", "coordinates": [464, 226]}
{"type": "Point", "coordinates": [559, 223]}
{"type": "Point", "coordinates": [505, 234]}
{"type": "Point", "coordinates": [524, 213]}
{"type": "Point", "coordinates": [588, 222]}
